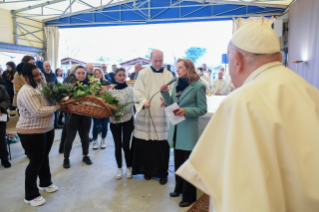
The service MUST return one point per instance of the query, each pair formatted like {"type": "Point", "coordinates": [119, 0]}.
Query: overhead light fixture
{"type": "Point", "coordinates": [297, 62]}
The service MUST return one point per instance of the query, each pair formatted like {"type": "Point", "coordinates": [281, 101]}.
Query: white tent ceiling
{"type": "Point", "coordinates": [54, 8]}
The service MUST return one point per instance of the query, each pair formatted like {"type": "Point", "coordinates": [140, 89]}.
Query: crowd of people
{"type": "Point", "coordinates": [258, 153]}
{"type": "Point", "coordinates": [143, 132]}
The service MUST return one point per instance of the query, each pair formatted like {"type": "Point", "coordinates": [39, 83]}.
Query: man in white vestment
{"type": "Point", "coordinates": [204, 69]}
{"type": "Point", "coordinates": [150, 148]}
{"type": "Point", "coordinates": [259, 153]}
{"type": "Point", "coordinates": [218, 85]}
{"type": "Point", "coordinates": [226, 76]}
{"type": "Point", "coordinates": [204, 79]}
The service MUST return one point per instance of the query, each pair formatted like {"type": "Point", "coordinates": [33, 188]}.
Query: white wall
{"type": "Point", "coordinates": [304, 39]}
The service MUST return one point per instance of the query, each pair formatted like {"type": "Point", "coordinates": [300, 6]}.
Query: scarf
{"type": "Point", "coordinates": [182, 84]}
{"type": "Point", "coordinates": [120, 86]}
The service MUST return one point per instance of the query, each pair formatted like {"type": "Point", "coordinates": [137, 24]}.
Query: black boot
{"type": "Point", "coordinates": [66, 163]}
{"type": "Point", "coordinates": [6, 163]}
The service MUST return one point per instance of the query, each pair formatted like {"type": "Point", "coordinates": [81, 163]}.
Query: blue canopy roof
{"type": "Point", "coordinates": [163, 11]}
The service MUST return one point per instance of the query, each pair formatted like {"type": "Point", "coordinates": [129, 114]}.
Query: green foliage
{"type": "Point", "coordinates": [194, 53]}
{"type": "Point", "coordinates": [56, 92]}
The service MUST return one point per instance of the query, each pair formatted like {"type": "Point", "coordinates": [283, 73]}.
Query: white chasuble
{"type": "Point", "coordinates": [147, 84]}
{"type": "Point", "coordinates": [218, 86]}
{"type": "Point", "coordinates": [259, 152]}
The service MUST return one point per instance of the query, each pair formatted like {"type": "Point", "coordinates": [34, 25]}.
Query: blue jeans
{"type": "Point", "coordinates": [96, 127]}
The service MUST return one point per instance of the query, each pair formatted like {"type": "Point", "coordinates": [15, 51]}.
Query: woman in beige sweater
{"type": "Point", "coordinates": [36, 131]}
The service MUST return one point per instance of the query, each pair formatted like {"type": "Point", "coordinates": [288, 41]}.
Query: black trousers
{"type": "Point", "coordinates": [187, 190]}
{"type": "Point", "coordinates": [182, 186]}
{"type": "Point", "coordinates": [73, 123]}
{"type": "Point", "coordinates": [122, 133]}
{"type": "Point", "coordinates": [37, 147]}
{"type": "Point", "coordinates": [11, 95]}
{"type": "Point", "coordinates": [3, 145]}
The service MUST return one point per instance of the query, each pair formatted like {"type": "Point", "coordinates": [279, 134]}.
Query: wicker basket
{"type": "Point", "coordinates": [90, 106]}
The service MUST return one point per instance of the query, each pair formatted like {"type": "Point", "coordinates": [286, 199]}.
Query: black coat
{"type": "Point", "coordinates": [51, 77]}
{"type": "Point", "coordinates": [133, 76]}
{"type": "Point", "coordinates": [8, 83]}
{"type": "Point", "coordinates": [70, 79]}
{"type": "Point", "coordinates": [4, 100]}
{"type": "Point", "coordinates": [113, 80]}
{"type": "Point", "coordinates": [40, 65]}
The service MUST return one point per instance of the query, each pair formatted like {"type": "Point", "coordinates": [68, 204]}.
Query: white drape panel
{"type": "Point", "coordinates": [304, 39]}
{"type": "Point", "coordinates": [52, 36]}
{"type": "Point", "coordinates": [239, 22]}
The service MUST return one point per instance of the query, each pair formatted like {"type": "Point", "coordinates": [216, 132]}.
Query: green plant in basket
{"type": "Point", "coordinates": [56, 92]}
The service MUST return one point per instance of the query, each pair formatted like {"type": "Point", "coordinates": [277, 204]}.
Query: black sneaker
{"type": "Point", "coordinates": [87, 160]}
{"type": "Point", "coordinates": [66, 163]}
{"type": "Point", "coordinates": [6, 163]}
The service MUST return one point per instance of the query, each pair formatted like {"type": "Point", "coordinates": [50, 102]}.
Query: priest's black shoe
{"type": "Point", "coordinates": [185, 204]}
{"type": "Point", "coordinates": [66, 163]}
{"type": "Point", "coordinates": [146, 177]}
{"type": "Point", "coordinates": [6, 163]}
{"type": "Point", "coordinates": [163, 181]}
{"type": "Point", "coordinates": [174, 194]}
{"type": "Point", "coordinates": [87, 160]}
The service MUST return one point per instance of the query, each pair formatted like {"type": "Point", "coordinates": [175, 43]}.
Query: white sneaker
{"type": "Point", "coordinates": [129, 173]}
{"type": "Point", "coordinates": [50, 189]}
{"type": "Point", "coordinates": [119, 174]}
{"type": "Point", "coordinates": [103, 146]}
{"type": "Point", "coordinates": [95, 144]}
{"type": "Point", "coordinates": [36, 201]}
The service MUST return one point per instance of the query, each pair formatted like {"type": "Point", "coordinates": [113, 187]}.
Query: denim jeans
{"type": "Point", "coordinates": [96, 127]}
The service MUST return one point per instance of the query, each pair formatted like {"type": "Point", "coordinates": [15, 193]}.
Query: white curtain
{"type": "Point", "coordinates": [52, 36]}
{"type": "Point", "coordinates": [239, 22]}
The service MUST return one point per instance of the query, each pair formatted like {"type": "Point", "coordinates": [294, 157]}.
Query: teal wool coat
{"type": "Point", "coordinates": [193, 100]}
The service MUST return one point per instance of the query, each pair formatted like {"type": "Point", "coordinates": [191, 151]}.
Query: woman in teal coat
{"type": "Point", "coordinates": [190, 94]}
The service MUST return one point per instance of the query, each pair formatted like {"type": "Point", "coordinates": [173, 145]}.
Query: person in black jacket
{"type": "Point", "coordinates": [4, 105]}
{"type": "Point", "coordinates": [50, 77]}
{"type": "Point", "coordinates": [39, 63]}
{"type": "Point", "coordinates": [112, 74]}
{"type": "Point", "coordinates": [8, 77]}
{"type": "Point", "coordinates": [2, 82]}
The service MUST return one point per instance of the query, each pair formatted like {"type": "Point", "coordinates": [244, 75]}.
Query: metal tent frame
{"type": "Point", "coordinates": [133, 12]}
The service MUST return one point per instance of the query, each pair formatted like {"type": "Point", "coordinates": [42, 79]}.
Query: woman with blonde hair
{"type": "Point", "coordinates": [98, 74]}
{"type": "Point", "coordinates": [190, 94]}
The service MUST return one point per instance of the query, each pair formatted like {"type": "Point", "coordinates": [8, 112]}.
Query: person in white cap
{"type": "Point", "coordinates": [259, 153]}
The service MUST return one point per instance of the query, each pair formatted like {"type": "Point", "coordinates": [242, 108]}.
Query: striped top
{"type": "Point", "coordinates": [36, 116]}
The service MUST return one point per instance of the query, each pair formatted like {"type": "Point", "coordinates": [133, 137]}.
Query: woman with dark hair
{"type": "Point", "coordinates": [122, 129]}
{"type": "Point", "coordinates": [36, 131]}
{"type": "Point", "coordinates": [19, 80]}
{"type": "Point", "coordinates": [190, 94]}
{"type": "Point", "coordinates": [58, 74]}
{"type": "Point", "coordinates": [75, 122]}
{"type": "Point", "coordinates": [8, 76]}
{"type": "Point", "coordinates": [28, 59]}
